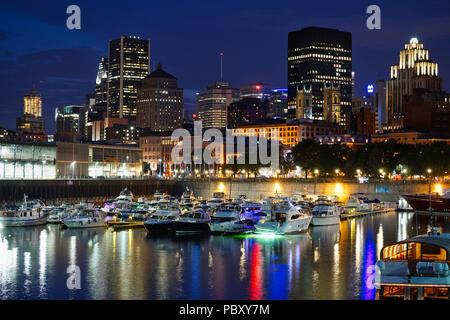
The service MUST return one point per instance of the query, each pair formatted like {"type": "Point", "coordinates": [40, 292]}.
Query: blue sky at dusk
{"type": "Point", "coordinates": [187, 36]}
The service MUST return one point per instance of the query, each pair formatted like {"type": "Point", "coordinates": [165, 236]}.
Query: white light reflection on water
{"type": "Point", "coordinates": [380, 240]}
{"type": "Point", "coordinates": [42, 263]}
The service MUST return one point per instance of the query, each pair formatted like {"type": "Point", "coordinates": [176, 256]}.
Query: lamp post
{"type": "Point", "coordinates": [160, 168]}
{"type": "Point", "coordinates": [316, 173]}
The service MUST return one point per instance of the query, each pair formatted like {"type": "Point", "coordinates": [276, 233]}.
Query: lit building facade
{"type": "Point", "coordinates": [212, 104]}
{"type": "Point", "coordinates": [97, 160]}
{"type": "Point", "coordinates": [257, 91]}
{"type": "Point", "coordinates": [414, 70]}
{"type": "Point", "coordinates": [160, 102]}
{"type": "Point", "coordinates": [128, 64]}
{"type": "Point", "coordinates": [32, 103]}
{"type": "Point", "coordinates": [27, 160]}
{"type": "Point", "coordinates": [317, 56]}
{"type": "Point", "coordinates": [375, 99]}
{"type": "Point", "coordinates": [156, 151]}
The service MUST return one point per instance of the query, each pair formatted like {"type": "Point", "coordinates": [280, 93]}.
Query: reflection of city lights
{"type": "Point", "coordinates": [438, 188]}
{"type": "Point", "coordinates": [277, 187]}
{"type": "Point", "coordinates": [338, 188]}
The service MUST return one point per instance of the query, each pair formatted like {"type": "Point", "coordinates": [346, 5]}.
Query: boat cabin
{"type": "Point", "coordinates": [416, 268]}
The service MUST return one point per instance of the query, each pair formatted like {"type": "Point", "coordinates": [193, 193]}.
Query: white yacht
{"type": "Point", "coordinates": [283, 218]}
{"type": "Point", "coordinates": [59, 213]}
{"type": "Point", "coordinates": [122, 201]}
{"type": "Point", "coordinates": [161, 220]}
{"type": "Point", "coordinates": [225, 218]}
{"type": "Point", "coordinates": [217, 199]}
{"type": "Point", "coordinates": [187, 197]}
{"type": "Point", "coordinates": [84, 217]}
{"type": "Point", "coordinates": [251, 212]}
{"type": "Point", "coordinates": [356, 203]}
{"type": "Point", "coordinates": [325, 212]}
{"type": "Point", "coordinates": [28, 213]}
{"type": "Point", "coordinates": [415, 268]}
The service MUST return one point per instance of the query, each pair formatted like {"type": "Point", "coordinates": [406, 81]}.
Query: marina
{"type": "Point", "coordinates": [298, 246]}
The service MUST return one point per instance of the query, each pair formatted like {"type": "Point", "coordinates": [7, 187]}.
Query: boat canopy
{"type": "Point", "coordinates": [422, 247]}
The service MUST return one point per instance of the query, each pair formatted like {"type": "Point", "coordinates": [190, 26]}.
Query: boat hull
{"type": "Point", "coordinates": [181, 227]}
{"type": "Point", "coordinates": [84, 223]}
{"type": "Point", "coordinates": [421, 203]}
{"type": "Point", "coordinates": [160, 227]}
{"type": "Point", "coordinates": [22, 221]}
{"type": "Point", "coordinates": [289, 228]}
{"type": "Point", "coordinates": [325, 220]}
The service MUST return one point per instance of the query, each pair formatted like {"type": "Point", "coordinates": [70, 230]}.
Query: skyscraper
{"type": "Point", "coordinates": [160, 102]}
{"type": "Point", "coordinates": [32, 103]}
{"type": "Point", "coordinates": [212, 104]}
{"type": "Point", "coordinates": [376, 101]}
{"type": "Point", "coordinates": [69, 122]}
{"type": "Point", "coordinates": [31, 120]}
{"type": "Point", "coordinates": [317, 56]}
{"type": "Point", "coordinates": [414, 70]}
{"type": "Point", "coordinates": [129, 63]}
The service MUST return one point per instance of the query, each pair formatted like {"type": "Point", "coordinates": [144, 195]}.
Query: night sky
{"type": "Point", "coordinates": [187, 36]}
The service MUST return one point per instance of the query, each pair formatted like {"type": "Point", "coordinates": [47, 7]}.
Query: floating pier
{"type": "Point", "coordinates": [359, 214]}
{"type": "Point", "coordinates": [122, 225]}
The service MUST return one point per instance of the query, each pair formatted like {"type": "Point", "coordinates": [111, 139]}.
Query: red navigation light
{"type": "Point", "coordinates": [258, 87]}
{"type": "Point", "coordinates": [221, 53]}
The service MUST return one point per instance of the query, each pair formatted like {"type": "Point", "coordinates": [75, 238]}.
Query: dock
{"type": "Point", "coordinates": [123, 225]}
{"type": "Point", "coordinates": [359, 214]}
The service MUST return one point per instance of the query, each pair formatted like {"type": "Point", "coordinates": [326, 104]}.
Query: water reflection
{"type": "Point", "coordinates": [328, 262]}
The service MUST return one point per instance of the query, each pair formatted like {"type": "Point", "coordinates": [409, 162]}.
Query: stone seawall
{"type": "Point", "coordinates": [75, 190]}
{"type": "Point", "coordinates": [385, 191]}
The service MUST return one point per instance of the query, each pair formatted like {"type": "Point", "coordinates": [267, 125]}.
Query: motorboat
{"type": "Point", "coordinates": [192, 222]}
{"type": "Point", "coordinates": [283, 219]}
{"type": "Point", "coordinates": [56, 214]}
{"type": "Point", "coordinates": [225, 217]}
{"type": "Point", "coordinates": [422, 203]}
{"type": "Point", "coordinates": [415, 269]}
{"type": "Point", "coordinates": [162, 219]}
{"type": "Point", "coordinates": [252, 212]}
{"type": "Point", "coordinates": [325, 212]}
{"type": "Point", "coordinates": [124, 199]}
{"type": "Point", "coordinates": [187, 197]}
{"type": "Point", "coordinates": [84, 217]}
{"type": "Point", "coordinates": [217, 199]}
{"type": "Point", "coordinates": [28, 213]}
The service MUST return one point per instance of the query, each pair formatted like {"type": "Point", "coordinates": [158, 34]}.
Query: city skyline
{"type": "Point", "coordinates": [46, 63]}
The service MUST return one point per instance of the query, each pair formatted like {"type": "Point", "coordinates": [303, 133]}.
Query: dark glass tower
{"type": "Point", "coordinates": [129, 63]}
{"type": "Point", "coordinates": [319, 56]}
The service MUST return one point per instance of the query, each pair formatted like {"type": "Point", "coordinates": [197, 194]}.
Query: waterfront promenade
{"type": "Point", "coordinates": [103, 189]}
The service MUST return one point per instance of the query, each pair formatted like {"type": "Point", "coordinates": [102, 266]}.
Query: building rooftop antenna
{"type": "Point", "coordinates": [221, 67]}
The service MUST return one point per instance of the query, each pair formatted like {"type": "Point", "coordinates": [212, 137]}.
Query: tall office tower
{"type": "Point", "coordinates": [69, 122]}
{"type": "Point", "coordinates": [332, 103]}
{"type": "Point", "coordinates": [257, 90]}
{"type": "Point", "coordinates": [353, 84]}
{"type": "Point", "coordinates": [32, 103]}
{"type": "Point", "coordinates": [31, 120]}
{"type": "Point", "coordinates": [317, 56]}
{"type": "Point", "coordinates": [101, 83]}
{"type": "Point", "coordinates": [414, 70]}
{"type": "Point", "coordinates": [129, 63]}
{"type": "Point", "coordinates": [278, 103]}
{"type": "Point", "coordinates": [160, 102]}
{"type": "Point", "coordinates": [212, 104]}
{"type": "Point", "coordinates": [376, 101]}
{"type": "Point", "coordinates": [304, 102]}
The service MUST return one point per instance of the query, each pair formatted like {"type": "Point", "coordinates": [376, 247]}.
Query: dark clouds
{"type": "Point", "coordinates": [186, 37]}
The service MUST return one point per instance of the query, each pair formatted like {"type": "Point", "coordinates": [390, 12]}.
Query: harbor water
{"type": "Point", "coordinates": [331, 262]}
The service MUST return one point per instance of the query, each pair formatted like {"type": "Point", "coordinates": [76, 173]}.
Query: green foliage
{"type": "Point", "coordinates": [370, 158]}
